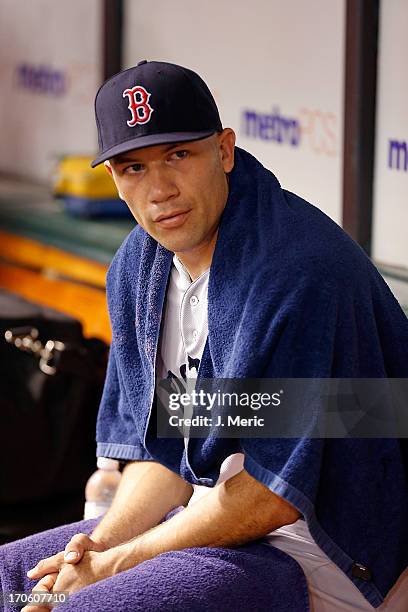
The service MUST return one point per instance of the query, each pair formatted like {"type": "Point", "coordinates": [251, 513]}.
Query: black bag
{"type": "Point", "coordinates": [50, 387]}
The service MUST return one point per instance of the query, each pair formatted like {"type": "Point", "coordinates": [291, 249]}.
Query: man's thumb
{"type": "Point", "coordinates": [77, 545]}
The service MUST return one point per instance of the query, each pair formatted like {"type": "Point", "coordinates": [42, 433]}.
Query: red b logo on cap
{"type": "Point", "coordinates": [138, 105]}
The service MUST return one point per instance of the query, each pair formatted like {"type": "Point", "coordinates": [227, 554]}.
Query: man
{"type": "Point", "coordinates": [228, 276]}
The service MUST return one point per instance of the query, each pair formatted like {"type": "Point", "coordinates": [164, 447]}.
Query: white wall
{"type": "Point", "coordinates": [273, 57]}
{"type": "Point", "coordinates": [390, 236]}
{"type": "Point", "coordinates": [50, 68]}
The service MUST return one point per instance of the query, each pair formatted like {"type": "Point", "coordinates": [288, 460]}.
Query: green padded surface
{"type": "Point", "coordinates": [47, 222]}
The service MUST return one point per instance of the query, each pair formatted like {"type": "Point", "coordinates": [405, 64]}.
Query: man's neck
{"type": "Point", "coordinates": [198, 260]}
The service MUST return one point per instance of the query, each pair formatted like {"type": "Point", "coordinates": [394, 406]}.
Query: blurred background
{"type": "Point", "coordinates": [316, 90]}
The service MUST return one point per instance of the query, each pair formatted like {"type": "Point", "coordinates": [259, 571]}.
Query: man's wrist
{"type": "Point", "coordinates": [123, 557]}
{"type": "Point", "coordinates": [101, 541]}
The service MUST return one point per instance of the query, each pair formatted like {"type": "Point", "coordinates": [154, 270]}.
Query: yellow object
{"type": "Point", "coordinates": [52, 277]}
{"type": "Point", "coordinates": [75, 177]}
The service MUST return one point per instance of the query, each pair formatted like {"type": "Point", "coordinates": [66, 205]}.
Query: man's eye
{"type": "Point", "coordinates": [134, 169]}
{"type": "Point", "coordinates": [180, 154]}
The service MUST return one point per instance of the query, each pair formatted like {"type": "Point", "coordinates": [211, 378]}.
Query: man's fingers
{"type": "Point", "coordinates": [46, 566]}
{"type": "Point", "coordinates": [77, 545]}
{"type": "Point", "coordinates": [46, 583]}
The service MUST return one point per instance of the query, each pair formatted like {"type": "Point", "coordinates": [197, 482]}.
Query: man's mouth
{"type": "Point", "coordinates": [172, 219]}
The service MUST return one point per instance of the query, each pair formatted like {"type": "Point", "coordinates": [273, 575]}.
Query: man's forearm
{"type": "Point", "coordinates": [147, 491]}
{"type": "Point", "coordinates": [233, 513]}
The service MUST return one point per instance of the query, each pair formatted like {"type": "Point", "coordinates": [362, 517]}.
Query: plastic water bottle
{"type": "Point", "coordinates": [101, 487]}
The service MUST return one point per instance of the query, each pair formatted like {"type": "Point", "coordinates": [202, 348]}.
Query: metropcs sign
{"type": "Point", "coordinates": [314, 128]}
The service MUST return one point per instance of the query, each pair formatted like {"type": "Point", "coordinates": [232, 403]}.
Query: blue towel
{"type": "Point", "coordinates": [253, 577]}
{"type": "Point", "coordinates": [290, 296]}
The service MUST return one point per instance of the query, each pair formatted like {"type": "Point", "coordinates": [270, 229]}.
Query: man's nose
{"type": "Point", "coordinates": [161, 185]}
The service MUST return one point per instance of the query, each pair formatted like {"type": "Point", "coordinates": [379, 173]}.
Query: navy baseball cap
{"type": "Point", "coordinates": [153, 103]}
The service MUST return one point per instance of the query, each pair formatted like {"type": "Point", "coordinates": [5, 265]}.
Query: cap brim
{"type": "Point", "coordinates": [149, 141]}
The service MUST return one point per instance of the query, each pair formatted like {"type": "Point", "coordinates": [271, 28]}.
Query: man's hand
{"type": "Point", "coordinates": [47, 570]}
{"type": "Point", "coordinates": [94, 566]}
{"type": "Point", "coordinates": [73, 553]}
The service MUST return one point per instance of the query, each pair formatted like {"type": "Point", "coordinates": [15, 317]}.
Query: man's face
{"type": "Point", "coordinates": [177, 192]}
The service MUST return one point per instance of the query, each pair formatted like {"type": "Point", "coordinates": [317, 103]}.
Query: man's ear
{"type": "Point", "coordinates": [109, 170]}
{"type": "Point", "coordinates": [226, 141]}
